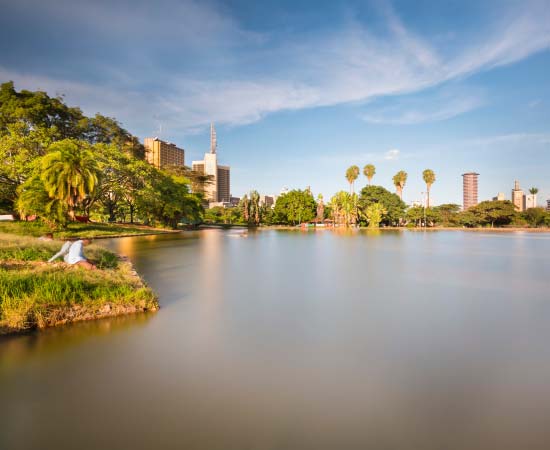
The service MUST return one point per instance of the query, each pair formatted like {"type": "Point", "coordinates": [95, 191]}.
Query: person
{"type": "Point", "coordinates": [63, 252]}
{"type": "Point", "coordinates": [73, 254]}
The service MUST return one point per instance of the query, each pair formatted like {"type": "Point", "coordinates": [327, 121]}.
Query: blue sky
{"type": "Point", "coordinates": [301, 90]}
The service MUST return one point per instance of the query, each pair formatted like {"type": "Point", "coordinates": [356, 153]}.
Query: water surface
{"type": "Point", "coordinates": [300, 340]}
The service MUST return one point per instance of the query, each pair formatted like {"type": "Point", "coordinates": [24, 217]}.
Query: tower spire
{"type": "Point", "coordinates": [213, 139]}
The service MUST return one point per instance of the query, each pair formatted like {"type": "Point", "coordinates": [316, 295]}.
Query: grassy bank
{"type": "Point", "coordinates": [81, 230]}
{"type": "Point", "coordinates": [37, 294]}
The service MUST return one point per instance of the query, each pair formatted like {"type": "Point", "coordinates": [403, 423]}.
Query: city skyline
{"type": "Point", "coordinates": [308, 91]}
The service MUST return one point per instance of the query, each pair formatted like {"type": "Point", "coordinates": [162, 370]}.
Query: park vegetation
{"type": "Point", "coordinates": [34, 294]}
{"type": "Point", "coordinates": [375, 206]}
{"type": "Point", "coordinates": [58, 164]}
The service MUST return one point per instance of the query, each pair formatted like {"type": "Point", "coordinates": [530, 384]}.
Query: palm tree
{"type": "Point", "coordinates": [399, 180]}
{"type": "Point", "coordinates": [70, 173]}
{"type": "Point", "coordinates": [351, 175]}
{"type": "Point", "coordinates": [429, 178]}
{"type": "Point", "coordinates": [245, 205]}
{"type": "Point", "coordinates": [369, 171]}
{"type": "Point", "coordinates": [255, 207]}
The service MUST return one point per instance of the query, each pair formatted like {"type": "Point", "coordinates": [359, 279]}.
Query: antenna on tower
{"type": "Point", "coordinates": [156, 117]}
{"type": "Point", "coordinates": [213, 139]}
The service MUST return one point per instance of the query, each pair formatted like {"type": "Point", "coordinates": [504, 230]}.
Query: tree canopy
{"type": "Point", "coordinates": [394, 207]}
{"type": "Point", "coordinates": [57, 162]}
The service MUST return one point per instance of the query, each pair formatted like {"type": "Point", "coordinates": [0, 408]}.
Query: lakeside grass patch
{"type": "Point", "coordinates": [75, 229]}
{"type": "Point", "coordinates": [34, 293]}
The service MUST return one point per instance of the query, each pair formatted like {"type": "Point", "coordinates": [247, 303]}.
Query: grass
{"type": "Point", "coordinates": [34, 293]}
{"type": "Point", "coordinates": [76, 229]}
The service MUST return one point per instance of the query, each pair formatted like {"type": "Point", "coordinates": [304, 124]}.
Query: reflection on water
{"type": "Point", "coordinates": [300, 340]}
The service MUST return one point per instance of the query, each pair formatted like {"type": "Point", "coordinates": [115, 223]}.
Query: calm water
{"type": "Point", "coordinates": [292, 340]}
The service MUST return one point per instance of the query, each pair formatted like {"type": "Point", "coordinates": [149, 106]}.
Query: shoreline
{"type": "Point", "coordinates": [79, 295]}
{"type": "Point", "coordinates": [415, 229]}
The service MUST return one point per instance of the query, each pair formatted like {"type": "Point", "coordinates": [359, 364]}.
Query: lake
{"type": "Point", "coordinates": [300, 340]}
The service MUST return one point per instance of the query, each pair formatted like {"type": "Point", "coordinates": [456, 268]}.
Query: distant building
{"type": "Point", "coordinates": [160, 153]}
{"type": "Point", "coordinates": [500, 197]}
{"type": "Point", "coordinates": [267, 200]}
{"type": "Point", "coordinates": [548, 205]}
{"type": "Point", "coordinates": [220, 189]}
{"type": "Point", "coordinates": [235, 201]}
{"type": "Point", "coordinates": [469, 189]}
{"type": "Point", "coordinates": [518, 197]}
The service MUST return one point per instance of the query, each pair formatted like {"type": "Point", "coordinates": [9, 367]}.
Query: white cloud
{"type": "Point", "coordinates": [352, 64]}
{"type": "Point", "coordinates": [392, 155]}
{"type": "Point", "coordinates": [513, 138]}
{"type": "Point", "coordinates": [442, 105]}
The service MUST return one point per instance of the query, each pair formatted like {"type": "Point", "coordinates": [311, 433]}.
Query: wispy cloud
{"type": "Point", "coordinates": [512, 138]}
{"type": "Point", "coordinates": [392, 155]}
{"type": "Point", "coordinates": [444, 104]}
{"type": "Point", "coordinates": [219, 70]}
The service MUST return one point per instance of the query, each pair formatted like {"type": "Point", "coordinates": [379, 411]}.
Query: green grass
{"type": "Point", "coordinates": [24, 248]}
{"type": "Point", "coordinates": [33, 293]}
{"type": "Point", "coordinates": [82, 230]}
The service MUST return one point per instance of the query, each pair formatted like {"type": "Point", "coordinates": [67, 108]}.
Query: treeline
{"type": "Point", "coordinates": [57, 164]}
{"type": "Point", "coordinates": [375, 206]}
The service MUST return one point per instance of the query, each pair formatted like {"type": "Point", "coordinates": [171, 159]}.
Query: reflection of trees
{"type": "Point", "coordinates": [18, 348]}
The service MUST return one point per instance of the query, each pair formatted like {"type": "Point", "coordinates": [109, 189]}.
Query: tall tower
{"type": "Point", "coordinates": [517, 197]}
{"type": "Point", "coordinates": [469, 189]}
{"type": "Point", "coordinates": [219, 189]}
{"type": "Point", "coordinates": [213, 139]}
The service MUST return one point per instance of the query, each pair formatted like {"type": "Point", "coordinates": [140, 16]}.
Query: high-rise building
{"type": "Point", "coordinates": [267, 200]}
{"type": "Point", "coordinates": [160, 153]}
{"type": "Point", "coordinates": [469, 189]}
{"type": "Point", "coordinates": [517, 197]}
{"type": "Point", "coordinates": [500, 197]}
{"type": "Point", "coordinates": [220, 188]}
{"type": "Point", "coordinates": [548, 205]}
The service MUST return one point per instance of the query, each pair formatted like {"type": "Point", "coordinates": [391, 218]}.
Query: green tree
{"type": "Point", "coordinates": [351, 175]}
{"type": "Point", "coordinates": [70, 173]}
{"type": "Point", "coordinates": [399, 180]}
{"type": "Point", "coordinates": [429, 178]}
{"type": "Point", "coordinates": [369, 171]}
{"type": "Point", "coordinates": [244, 205]}
{"type": "Point", "coordinates": [254, 208]}
{"type": "Point", "coordinates": [494, 212]}
{"type": "Point", "coordinates": [534, 216]}
{"type": "Point", "coordinates": [295, 207]}
{"type": "Point", "coordinates": [33, 199]}
{"type": "Point", "coordinates": [344, 208]}
{"type": "Point", "coordinates": [374, 213]}
{"type": "Point", "coordinates": [448, 213]}
{"type": "Point", "coordinates": [393, 205]}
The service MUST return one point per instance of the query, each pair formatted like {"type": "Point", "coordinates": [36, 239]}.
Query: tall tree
{"type": "Point", "coordinates": [394, 206]}
{"type": "Point", "coordinates": [295, 207]}
{"type": "Point", "coordinates": [70, 173]}
{"type": "Point", "coordinates": [254, 208]}
{"type": "Point", "coordinates": [399, 180]}
{"type": "Point", "coordinates": [351, 175]}
{"type": "Point", "coordinates": [343, 206]}
{"type": "Point", "coordinates": [429, 178]}
{"type": "Point", "coordinates": [320, 208]}
{"type": "Point", "coordinates": [369, 171]}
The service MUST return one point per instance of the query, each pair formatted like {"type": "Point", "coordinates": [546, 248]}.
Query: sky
{"type": "Point", "coordinates": [301, 90]}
